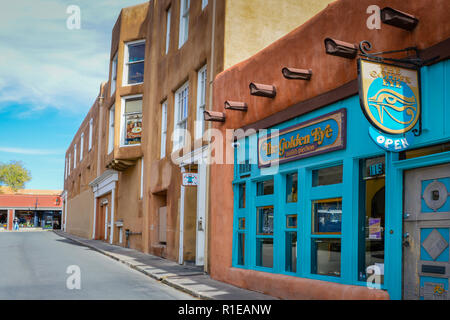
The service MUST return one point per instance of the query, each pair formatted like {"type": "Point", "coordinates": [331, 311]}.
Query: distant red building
{"type": "Point", "coordinates": [32, 208]}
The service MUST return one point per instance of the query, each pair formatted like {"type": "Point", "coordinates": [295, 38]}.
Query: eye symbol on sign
{"type": "Point", "coordinates": [439, 289]}
{"type": "Point", "coordinates": [387, 101]}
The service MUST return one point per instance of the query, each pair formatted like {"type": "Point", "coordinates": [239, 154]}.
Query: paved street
{"type": "Point", "coordinates": [33, 266]}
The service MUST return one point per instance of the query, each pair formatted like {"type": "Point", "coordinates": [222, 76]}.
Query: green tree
{"type": "Point", "coordinates": [14, 175]}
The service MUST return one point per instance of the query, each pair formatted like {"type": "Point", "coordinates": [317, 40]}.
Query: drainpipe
{"type": "Point", "coordinates": [211, 81]}
{"type": "Point", "coordinates": [100, 126]}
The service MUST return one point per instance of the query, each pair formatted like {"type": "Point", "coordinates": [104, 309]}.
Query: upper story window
{"type": "Point", "coordinates": [91, 129]}
{"type": "Point", "coordinates": [163, 129]}
{"type": "Point", "coordinates": [68, 171]}
{"type": "Point", "coordinates": [112, 112]}
{"type": "Point", "coordinates": [184, 22]}
{"type": "Point", "coordinates": [201, 102]}
{"type": "Point", "coordinates": [75, 156]}
{"type": "Point", "coordinates": [132, 120]}
{"type": "Point", "coordinates": [81, 146]}
{"type": "Point", "coordinates": [134, 63]}
{"type": "Point", "coordinates": [181, 116]}
{"type": "Point", "coordinates": [204, 4]}
{"type": "Point", "coordinates": [168, 19]}
{"type": "Point", "coordinates": [113, 74]}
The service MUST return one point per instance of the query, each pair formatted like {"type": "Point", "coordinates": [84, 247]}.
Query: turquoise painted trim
{"type": "Point", "coordinates": [436, 129]}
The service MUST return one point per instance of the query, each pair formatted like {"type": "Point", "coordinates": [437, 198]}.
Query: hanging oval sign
{"type": "Point", "coordinates": [389, 96]}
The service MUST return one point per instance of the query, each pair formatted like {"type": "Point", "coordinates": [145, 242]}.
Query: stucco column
{"type": "Point", "coordinates": [11, 215]}
{"type": "Point", "coordinates": [94, 223]}
{"type": "Point", "coordinates": [113, 195]}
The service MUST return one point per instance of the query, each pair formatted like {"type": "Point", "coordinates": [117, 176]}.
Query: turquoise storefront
{"type": "Point", "coordinates": [338, 214]}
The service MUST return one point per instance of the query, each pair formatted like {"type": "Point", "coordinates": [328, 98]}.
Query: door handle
{"type": "Point", "coordinates": [200, 224]}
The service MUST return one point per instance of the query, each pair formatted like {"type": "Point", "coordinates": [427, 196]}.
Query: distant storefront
{"type": "Point", "coordinates": [31, 208]}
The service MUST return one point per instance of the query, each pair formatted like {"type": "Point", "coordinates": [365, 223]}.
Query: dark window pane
{"type": "Point", "coordinates": [291, 251]}
{"type": "Point", "coordinates": [264, 187]}
{"type": "Point", "coordinates": [136, 73]}
{"type": "Point", "coordinates": [136, 52]}
{"type": "Point", "coordinates": [242, 195]}
{"type": "Point", "coordinates": [327, 216]}
{"type": "Point", "coordinates": [327, 176]}
{"type": "Point", "coordinates": [291, 187]}
{"type": "Point", "coordinates": [265, 221]}
{"type": "Point", "coordinates": [326, 257]}
{"type": "Point", "coordinates": [241, 249]}
{"type": "Point", "coordinates": [241, 223]}
{"type": "Point", "coordinates": [264, 253]}
{"type": "Point", "coordinates": [371, 219]}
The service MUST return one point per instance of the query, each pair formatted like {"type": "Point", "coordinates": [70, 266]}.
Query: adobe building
{"type": "Point", "coordinates": [340, 187]}
{"type": "Point", "coordinates": [32, 208]}
{"type": "Point", "coordinates": [124, 174]}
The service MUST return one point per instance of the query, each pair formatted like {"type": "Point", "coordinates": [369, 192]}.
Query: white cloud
{"type": "Point", "coordinates": [45, 64]}
{"type": "Point", "coordinates": [37, 152]}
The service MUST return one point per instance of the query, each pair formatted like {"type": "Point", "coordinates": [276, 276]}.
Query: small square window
{"type": "Point", "coordinates": [327, 216]}
{"type": "Point", "coordinates": [291, 221]}
{"type": "Point", "coordinates": [241, 223]}
{"type": "Point", "coordinates": [327, 176]}
{"type": "Point", "coordinates": [265, 220]}
{"type": "Point", "coordinates": [291, 187]}
{"type": "Point", "coordinates": [264, 188]}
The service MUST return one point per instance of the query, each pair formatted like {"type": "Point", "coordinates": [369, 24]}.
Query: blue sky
{"type": "Point", "coordinates": [49, 78]}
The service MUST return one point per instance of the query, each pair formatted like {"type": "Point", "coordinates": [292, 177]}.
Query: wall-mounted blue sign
{"type": "Point", "coordinates": [319, 135]}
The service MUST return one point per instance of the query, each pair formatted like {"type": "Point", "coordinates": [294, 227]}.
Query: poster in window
{"type": "Point", "coordinates": [133, 130]}
{"type": "Point", "coordinates": [375, 228]}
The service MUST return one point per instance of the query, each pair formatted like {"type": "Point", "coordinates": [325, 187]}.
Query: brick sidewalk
{"type": "Point", "coordinates": [189, 279]}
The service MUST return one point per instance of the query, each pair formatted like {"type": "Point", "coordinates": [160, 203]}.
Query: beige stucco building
{"type": "Point", "coordinates": [125, 165]}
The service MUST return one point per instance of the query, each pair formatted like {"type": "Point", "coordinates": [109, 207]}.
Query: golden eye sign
{"type": "Point", "coordinates": [389, 96]}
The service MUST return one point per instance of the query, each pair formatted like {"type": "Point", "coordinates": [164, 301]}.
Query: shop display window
{"type": "Point", "coordinates": [241, 249]}
{"type": "Point", "coordinates": [326, 257]}
{"type": "Point", "coordinates": [327, 176]}
{"type": "Point", "coordinates": [264, 188]}
{"type": "Point", "coordinates": [265, 220]}
{"type": "Point", "coordinates": [327, 216]}
{"type": "Point", "coordinates": [133, 121]}
{"type": "Point", "coordinates": [291, 221]}
{"type": "Point", "coordinates": [264, 252]}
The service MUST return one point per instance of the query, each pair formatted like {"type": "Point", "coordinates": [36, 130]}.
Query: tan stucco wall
{"type": "Point", "coordinates": [251, 25]}
{"type": "Point", "coordinates": [80, 214]}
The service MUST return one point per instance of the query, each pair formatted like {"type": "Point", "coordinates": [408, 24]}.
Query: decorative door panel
{"type": "Point", "coordinates": [426, 229]}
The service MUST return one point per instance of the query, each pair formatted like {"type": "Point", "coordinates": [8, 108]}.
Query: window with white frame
{"type": "Point", "coordinates": [81, 146]}
{"type": "Point", "coordinates": [201, 102]}
{"type": "Point", "coordinates": [168, 19]}
{"type": "Point", "coordinates": [132, 120]}
{"type": "Point", "coordinates": [91, 129]}
{"type": "Point", "coordinates": [163, 129]}
{"type": "Point", "coordinates": [68, 173]}
{"type": "Point", "coordinates": [184, 22]}
{"type": "Point", "coordinates": [204, 4]}
{"type": "Point", "coordinates": [133, 71]}
{"type": "Point", "coordinates": [66, 168]}
{"type": "Point", "coordinates": [112, 112]}
{"type": "Point", "coordinates": [114, 75]}
{"type": "Point", "coordinates": [180, 116]}
{"type": "Point", "coordinates": [75, 156]}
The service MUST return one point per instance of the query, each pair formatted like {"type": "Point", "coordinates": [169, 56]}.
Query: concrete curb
{"type": "Point", "coordinates": [164, 280]}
